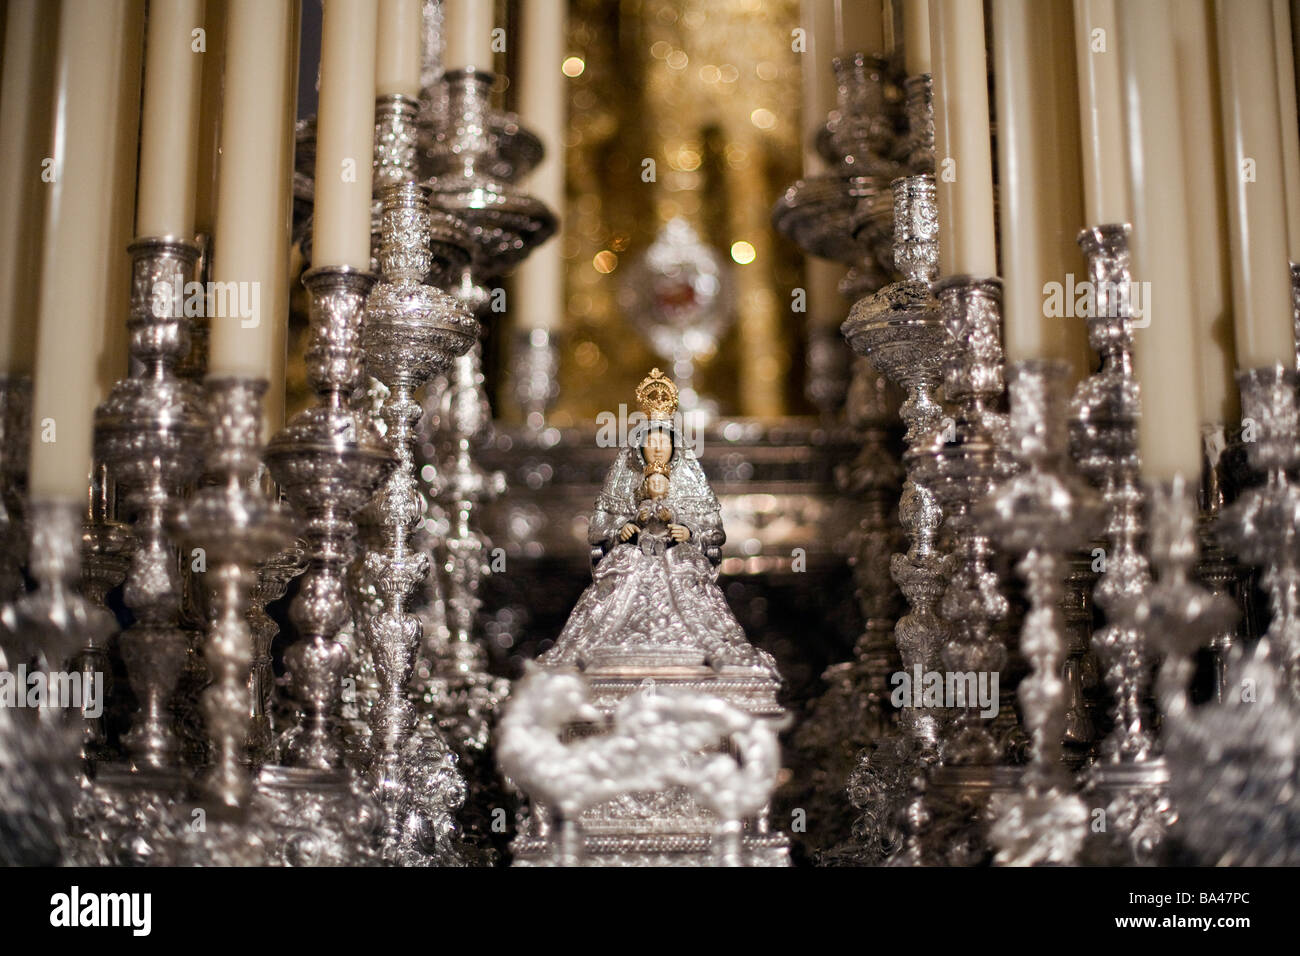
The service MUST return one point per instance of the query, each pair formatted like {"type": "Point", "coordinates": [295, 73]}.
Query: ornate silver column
{"type": "Point", "coordinates": [412, 331]}
{"type": "Point", "coordinates": [901, 332]}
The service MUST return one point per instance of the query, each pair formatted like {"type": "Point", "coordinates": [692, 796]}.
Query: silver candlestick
{"type": "Point", "coordinates": [235, 525]}
{"type": "Point", "coordinates": [1131, 779]}
{"type": "Point", "coordinates": [44, 628]}
{"type": "Point", "coordinates": [505, 223]}
{"type": "Point", "coordinates": [901, 332]}
{"type": "Point", "coordinates": [1233, 761]}
{"type": "Point", "coordinates": [534, 369]}
{"type": "Point", "coordinates": [412, 331]}
{"type": "Point", "coordinates": [1040, 513]}
{"type": "Point", "coordinates": [150, 433]}
{"type": "Point", "coordinates": [329, 463]}
{"type": "Point", "coordinates": [1264, 524]}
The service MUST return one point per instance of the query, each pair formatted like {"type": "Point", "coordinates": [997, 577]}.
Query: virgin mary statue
{"type": "Point", "coordinates": [656, 538]}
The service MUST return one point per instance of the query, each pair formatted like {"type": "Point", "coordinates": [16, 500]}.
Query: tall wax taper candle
{"type": "Point", "coordinates": [345, 135]}
{"type": "Point", "coordinates": [169, 126]}
{"type": "Point", "coordinates": [1105, 176]}
{"type": "Point", "coordinates": [817, 17]}
{"type": "Point", "coordinates": [26, 98]}
{"type": "Point", "coordinates": [401, 39]}
{"type": "Point", "coordinates": [1207, 210]}
{"type": "Point", "coordinates": [821, 278]}
{"type": "Point", "coordinates": [1169, 434]}
{"type": "Point", "coordinates": [963, 154]}
{"type": "Point", "coordinates": [1038, 162]}
{"type": "Point", "coordinates": [123, 103]}
{"type": "Point", "coordinates": [1286, 94]}
{"type": "Point", "coordinates": [90, 58]}
{"type": "Point", "coordinates": [859, 26]}
{"type": "Point", "coordinates": [210, 94]}
{"type": "Point", "coordinates": [467, 25]}
{"type": "Point", "coordinates": [287, 262]}
{"type": "Point", "coordinates": [251, 235]}
{"type": "Point", "coordinates": [542, 101]}
{"type": "Point", "coordinates": [916, 36]}
{"type": "Point", "coordinates": [1261, 281]}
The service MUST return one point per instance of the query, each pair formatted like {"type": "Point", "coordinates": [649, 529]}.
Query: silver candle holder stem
{"type": "Point", "coordinates": [1131, 778]}
{"type": "Point", "coordinates": [412, 332]}
{"type": "Point", "coordinates": [150, 433]}
{"type": "Point", "coordinates": [329, 462]}
{"type": "Point", "coordinates": [534, 369]}
{"type": "Point", "coordinates": [963, 467]}
{"type": "Point", "coordinates": [1040, 513]}
{"type": "Point", "coordinates": [237, 528]}
{"type": "Point", "coordinates": [396, 140]}
{"type": "Point", "coordinates": [900, 331]}
{"type": "Point", "coordinates": [1264, 523]}
{"type": "Point", "coordinates": [44, 628]}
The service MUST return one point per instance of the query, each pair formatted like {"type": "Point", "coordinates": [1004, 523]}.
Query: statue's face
{"type": "Point", "coordinates": [658, 448]}
{"type": "Point", "coordinates": [657, 486]}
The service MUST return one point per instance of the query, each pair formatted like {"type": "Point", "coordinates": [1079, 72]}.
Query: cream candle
{"type": "Point", "coordinates": [124, 104]}
{"type": "Point", "coordinates": [859, 26]}
{"type": "Point", "coordinates": [916, 36]}
{"type": "Point", "coordinates": [287, 262]}
{"type": "Point", "coordinates": [249, 317]}
{"type": "Point", "coordinates": [345, 135]}
{"type": "Point", "coordinates": [1207, 211]}
{"type": "Point", "coordinates": [90, 58]}
{"type": "Point", "coordinates": [963, 155]}
{"type": "Point", "coordinates": [817, 17]}
{"type": "Point", "coordinates": [169, 124]}
{"type": "Point", "coordinates": [1165, 354]}
{"type": "Point", "coordinates": [1105, 177]}
{"type": "Point", "coordinates": [400, 43]}
{"type": "Point", "coordinates": [1286, 95]}
{"type": "Point", "coordinates": [26, 93]}
{"type": "Point", "coordinates": [1038, 161]}
{"type": "Point", "coordinates": [210, 95]}
{"type": "Point", "coordinates": [467, 25]}
{"type": "Point", "coordinates": [1261, 282]}
{"type": "Point", "coordinates": [543, 99]}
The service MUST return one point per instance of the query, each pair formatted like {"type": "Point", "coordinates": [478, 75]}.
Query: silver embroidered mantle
{"type": "Point", "coordinates": [653, 603]}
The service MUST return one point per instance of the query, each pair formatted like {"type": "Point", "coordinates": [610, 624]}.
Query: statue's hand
{"type": "Point", "coordinates": [626, 532]}
{"type": "Point", "coordinates": [679, 532]}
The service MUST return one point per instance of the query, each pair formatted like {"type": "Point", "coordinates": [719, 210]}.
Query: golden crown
{"type": "Point", "coordinates": [657, 468]}
{"type": "Point", "coordinates": [657, 396]}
